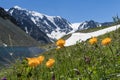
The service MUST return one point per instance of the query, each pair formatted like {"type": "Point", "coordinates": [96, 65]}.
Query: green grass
{"type": "Point", "coordinates": [12, 35]}
{"type": "Point", "coordinates": [79, 62]}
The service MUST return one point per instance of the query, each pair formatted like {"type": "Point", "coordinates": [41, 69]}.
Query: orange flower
{"type": "Point", "coordinates": [60, 43]}
{"type": "Point", "coordinates": [33, 62]}
{"type": "Point", "coordinates": [41, 59]}
{"type": "Point", "coordinates": [50, 63]}
{"type": "Point", "coordinates": [106, 41]}
{"type": "Point", "coordinates": [93, 40]}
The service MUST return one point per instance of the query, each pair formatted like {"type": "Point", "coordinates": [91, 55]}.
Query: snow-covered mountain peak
{"type": "Point", "coordinates": [6, 9]}
{"type": "Point", "coordinates": [88, 24]}
{"type": "Point", "coordinates": [50, 25]}
{"type": "Point", "coordinates": [17, 7]}
{"type": "Point", "coordinates": [59, 16]}
{"type": "Point", "coordinates": [36, 14]}
{"type": "Point", "coordinates": [84, 25]}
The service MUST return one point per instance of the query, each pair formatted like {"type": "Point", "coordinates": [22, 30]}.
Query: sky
{"type": "Point", "coordinates": [72, 10]}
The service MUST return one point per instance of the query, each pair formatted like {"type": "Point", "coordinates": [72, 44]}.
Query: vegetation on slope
{"type": "Point", "coordinates": [83, 61]}
{"type": "Point", "coordinates": [12, 35]}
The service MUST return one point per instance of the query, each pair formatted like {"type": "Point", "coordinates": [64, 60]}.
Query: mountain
{"type": "Point", "coordinates": [11, 34]}
{"type": "Point", "coordinates": [89, 24]}
{"type": "Point", "coordinates": [107, 23]}
{"type": "Point", "coordinates": [48, 28]}
{"type": "Point", "coordinates": [5, 15]}
{"type": "Point", "coordinates": [52, 26]}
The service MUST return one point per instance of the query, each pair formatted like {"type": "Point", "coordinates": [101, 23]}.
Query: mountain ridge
{"type": "Point", "coordinates": [89, 24]}
{"type": "Point", "coordinates": [11, 34]}
{"type": "Point", "coordinates": [45, 23]}
{"type": "Point", "coordinates": [51, 27]}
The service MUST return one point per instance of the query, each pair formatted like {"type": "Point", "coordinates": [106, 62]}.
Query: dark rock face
{"type": "Point", "coordinates": [43, 24]}
{"type": "Point", "coordinates": [26, 24]}
{"type": "Point", "coordinates": [93, 24]}
{"type": "Point", "coordinates": [5, 15]}
{"type": "Point", "coordinates": [63, 24]}
{"type": "Point", "coordinates": [11, 34]}
{"type": "Point", "coordinates": [88, 24]}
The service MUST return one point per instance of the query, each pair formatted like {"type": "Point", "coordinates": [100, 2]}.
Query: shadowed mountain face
{"type": "Point", "coordinates": [11, 34]}
{"type": "Point", "coordinates": [35, 24]}
{"type": "Point", "coordinates": [5, 15]}
{"type": "Point", "coordinates": [27, 25]}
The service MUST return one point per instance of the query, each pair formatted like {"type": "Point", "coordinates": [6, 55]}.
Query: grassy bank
{"type": "Point", "coordinates": [83, 61]}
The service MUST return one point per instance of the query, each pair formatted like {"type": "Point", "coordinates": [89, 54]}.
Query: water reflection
{"type": "Point", "coordinates": [9, 54]}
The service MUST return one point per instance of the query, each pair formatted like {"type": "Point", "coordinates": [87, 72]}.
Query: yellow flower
{"type": "Point", "coordinates": [106, 41]}
{"type": "Point", "coordinates": [40, 59]}
{"type": "Point", "coordinates": [60, 43]}
{"type": "Point", "coordinates": [93, 40]}
{"type": "Point", "coordinates": [33, 62]}
{"type": "Point", "coordinates": [50, 63]}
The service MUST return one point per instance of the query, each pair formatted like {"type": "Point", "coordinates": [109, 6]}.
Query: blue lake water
{"type": "Point", "coordinates": [9, 54]}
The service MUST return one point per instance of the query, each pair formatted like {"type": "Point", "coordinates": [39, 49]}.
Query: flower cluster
{"type": "Point", "coordinates": [106, 41]}
{"type": "Point", "coordinates": [50, 63]}
{"type": "Point", "coordinates": [60, 43]}
{"type": "Point", "coordinates": [34, 62]}
{"type": "Point", "coordinates": [93, 40]}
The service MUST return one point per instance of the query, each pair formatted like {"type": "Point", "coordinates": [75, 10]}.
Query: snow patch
{"type": "Point", "coordinates": [57, 34]}
{"type": "Point", "coordinates": [84, 36]}
{"type": "Point", "coordinates": [82, 27]}
{"type": "Point", "coordinates": [33, 20]}
{"type": "Point", "coordinates": [17, 7]}
{"type": "Point", "coordinates": [46, 22]}
{"type": "Point", "coordinates": [5, 45]}
{"type": "Point", "coordinates": [51, 18]}
{"type": "Point", "coordinates": [6, 9]}
{"type": "Point", "coordinates": [11, 11]}
{"type": "Point", "coordinates": [26, 30]}
{"type": "Point", "coordinates": [75, 26]}
{"type": "Point", "coordinates": [34, 13]}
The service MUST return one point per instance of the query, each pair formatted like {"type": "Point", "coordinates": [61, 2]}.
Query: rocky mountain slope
{"type": "Point", "coordinates": [11, 34]}
{"type": "Point", "coordinates": [29, 21]}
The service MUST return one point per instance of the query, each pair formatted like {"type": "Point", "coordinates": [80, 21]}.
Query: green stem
{"type": "Point", "coordinates": [113, 56]}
